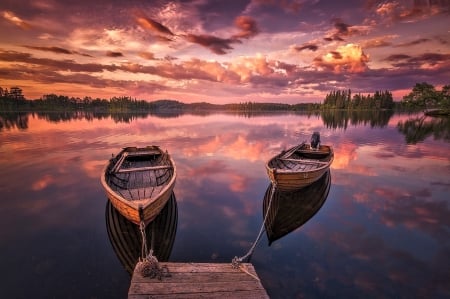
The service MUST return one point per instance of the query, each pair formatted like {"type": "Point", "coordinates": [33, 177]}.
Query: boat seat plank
{"type": "Point", "coordinates": [304, 161]}
{"type": "Point", "coordinates": [134, 169]}
{"type": "Point", "coordinates": [118, 163]}
{"type": "Point", "coordinates": [312, 151]}
{"type": "Point", "coordinates": [143, 153]}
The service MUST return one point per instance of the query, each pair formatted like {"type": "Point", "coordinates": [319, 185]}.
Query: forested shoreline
{"type": "Point", "coordinates": [423, 96]}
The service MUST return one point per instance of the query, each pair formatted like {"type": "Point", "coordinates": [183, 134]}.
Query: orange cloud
{"type": "Point", "coordinates": [349, 58]}
{"type": "Point", "coordinates": [246, 67]}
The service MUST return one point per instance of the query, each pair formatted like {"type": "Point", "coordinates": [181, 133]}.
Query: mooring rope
{"type": "Point", "coordinates": [236, 261]}
{"type": "Point", "coordinates": [144, 249]}
{"type": "Point", "coordinates": [148, 264]}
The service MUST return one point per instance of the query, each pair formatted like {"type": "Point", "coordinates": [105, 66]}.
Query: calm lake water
{"type": "Point", "coordinates": [383, 231]}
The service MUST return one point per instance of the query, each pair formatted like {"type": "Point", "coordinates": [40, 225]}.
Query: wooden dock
{"type": "Point", "coordinates": [199, 280]}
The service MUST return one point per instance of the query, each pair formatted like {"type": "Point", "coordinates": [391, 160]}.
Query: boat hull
{"type": "Point", "coordinates": [294, 180]}
{"type": "Point", "coordinates": [131, 211]}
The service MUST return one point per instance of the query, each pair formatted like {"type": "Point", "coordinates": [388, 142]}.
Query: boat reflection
{"type": "Point", "coordinates": [291, 209]}
{"type": "Point", "coordinates": [126, 240]}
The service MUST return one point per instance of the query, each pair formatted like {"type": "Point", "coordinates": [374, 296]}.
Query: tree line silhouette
{"type": "Point", "coordinates": [423, 96]}
{"type": "Point", "coordinates": [342, 99]}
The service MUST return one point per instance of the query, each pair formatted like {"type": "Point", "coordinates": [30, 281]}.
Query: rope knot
{"type": "Point", "coordinates": [149, 267]}
{"type": "Point", "coordinates": [236, 262]}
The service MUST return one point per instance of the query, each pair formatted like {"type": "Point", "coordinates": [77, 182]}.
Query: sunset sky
{"type": "Point", "coordinates": [222, 51]}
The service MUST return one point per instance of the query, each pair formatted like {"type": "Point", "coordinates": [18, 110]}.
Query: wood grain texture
{"type": "Point", "coordinates": [199, 280]}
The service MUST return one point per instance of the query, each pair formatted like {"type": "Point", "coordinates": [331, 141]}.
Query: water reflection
{"type": "Point", "coordinates": [331, 118]}
{"type": "Point", "coordinates": [11, 120]}
{"type": "Point", "coordinates": [342, 119]}
{"type": "Point", "coordinates": [384, 234]}
{"type": "Point", "coordinates": [417, 129]}
{"type": "Point", "coordinates": [126, 238]}
{"type": "Point", "coordinates": [291, 209]}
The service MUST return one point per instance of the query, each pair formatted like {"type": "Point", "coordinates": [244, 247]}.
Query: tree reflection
{"type": "Point", "coordinates": [11, 120]}
{"type": "Point", "coordinates": [417, 129]}
{"type": "Point", "coordinates": [341, 119]}
{"type": "Point", "coordinates": [331, 118]}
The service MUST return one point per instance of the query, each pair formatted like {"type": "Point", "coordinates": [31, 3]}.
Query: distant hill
{"type": "Point", "coordinates": [167, 105]}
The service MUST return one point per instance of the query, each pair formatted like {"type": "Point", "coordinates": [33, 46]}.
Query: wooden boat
{"type": "Point", "coordinates": [289, 210]}
{"type": "Point", "coordinates": [299, 166]}
{"type": "Point", "coordinates": [139, 178]}
{"type": "Point", "coordinates": [126, 239]}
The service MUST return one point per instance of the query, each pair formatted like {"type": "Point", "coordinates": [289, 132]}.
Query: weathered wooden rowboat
{"type": "Point", "coordinates": [126, 238]}
{"type": "Point", "coordinates": [139, 179]}
{"type": "Point", "coordinates": [299, 166]}
{"type": "Point", "coordinates": [289, 210]}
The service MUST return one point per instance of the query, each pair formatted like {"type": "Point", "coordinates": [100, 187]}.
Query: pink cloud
{"type": "Point", "coordinates": [13, 19]}
{"type": "Point", "coordinates": [159, 30]}
{"type": "Point", "coordinates": [247, 25]}
{"type": "Point", "coordinates": [217, 45]}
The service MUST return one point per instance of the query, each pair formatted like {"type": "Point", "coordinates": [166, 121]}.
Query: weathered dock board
{"type": "Point", "coordinates": [199, 280]}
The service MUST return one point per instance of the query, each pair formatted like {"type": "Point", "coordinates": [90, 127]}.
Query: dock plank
{"type": "Point", "coordinates": [199, 280]}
